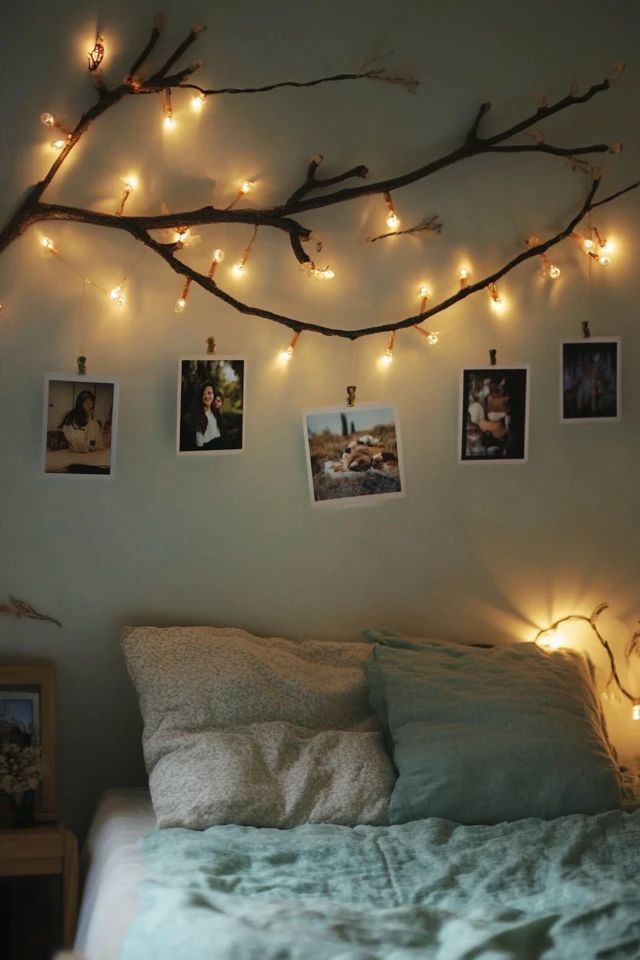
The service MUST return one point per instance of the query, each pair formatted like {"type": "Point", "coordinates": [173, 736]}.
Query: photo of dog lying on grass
{"type": "Point", "coordinates": [352, 453]}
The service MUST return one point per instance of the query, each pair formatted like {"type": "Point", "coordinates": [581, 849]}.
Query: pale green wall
{"type": "Point", "coordinates": [469, 553]}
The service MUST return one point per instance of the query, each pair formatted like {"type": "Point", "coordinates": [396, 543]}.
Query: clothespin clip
{"type": "Point", "coordinates": [586, 332]}
{"type": "Point", "coordinates": [351, 396]}
{"type": "Point", "coordinates": [211, 345]}
{"type": "Point", "coordinates": [493, 356]}
{"type": "Point", "coordinates": [82, 365]}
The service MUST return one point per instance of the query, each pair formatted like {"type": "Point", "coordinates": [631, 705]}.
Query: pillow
{"type": "Point", "coordinates": [256, 731]}
{"type": "Point", "coordinates": [482, 736]}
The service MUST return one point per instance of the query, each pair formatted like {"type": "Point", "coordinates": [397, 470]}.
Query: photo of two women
{"type": "Point", "coordinates": [210, 405]}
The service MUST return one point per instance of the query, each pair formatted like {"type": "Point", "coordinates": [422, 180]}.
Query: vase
{"type": "Point", "coordinates": [18, 812]}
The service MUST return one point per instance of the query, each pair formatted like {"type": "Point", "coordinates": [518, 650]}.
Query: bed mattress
{"type": "Point", "coordinates": [113, 864]}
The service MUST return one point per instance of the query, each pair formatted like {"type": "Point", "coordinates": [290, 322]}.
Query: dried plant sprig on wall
{"type": "Point", "coordinates": [20, 608]}
{"type": "Point", "coordinates": [306, 197]}
{"type": "Point", "coordinates": [633, 647]}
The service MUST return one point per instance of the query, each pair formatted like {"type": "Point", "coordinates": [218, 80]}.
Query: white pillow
{"type": "Point", "coordinates": [259, 731]}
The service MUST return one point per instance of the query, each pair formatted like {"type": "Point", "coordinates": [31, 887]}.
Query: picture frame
{"type": "Point", "coordinates": [216, 427]}
{"type": "Point", "coordinates": [494, 414]}
{"type": "Point", "coordinates": [27, 716]}
{"type": "Point", "coordinates": [590, 380]}
{"type": "Point", "coordinates": [80, 424]}
{"type": "Point", "coordinates": [353, 454]}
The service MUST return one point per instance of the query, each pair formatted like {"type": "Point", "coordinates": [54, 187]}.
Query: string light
{"type": "Point", "coordinates": [48, 119]}
{"type": "Point", "coordinates": [181, 302]}
{"type": "Point", "coordinates": [216, 258]}
{"type": "Point", "coordinates": [463, 276]}
{"type": "Point", "coordinates": [497, 302]}
{"type": "Point", "coordinates": [286, 355]}
{"type": "Point", "coordinates": [431, 336]}
{"type": "Point", "coordinates": [168, 121]}
{"type": "Point", "coordinates": [183, 237]}
{"type": "Point", "coordinates": [549, 269]}
{"type": "Point", "coordinates": [96, 55]}
{"type": "Point", "coordinates": [129, 184]}
{"type": "Point", "coordinates": [198, 101]}
{"type": "Point", "coordinates": [239, 268]}
{"type": "Point", "coordinates": [387, 356]}
{"type": "Point", "coordinates": [599, 249]}
{"type": "Point", "coordinates": [393, 221]}
{"type": "Point", "coordinates": [550, 637]}
{"type": "Point", "coordinates": [117, 296]}
{"type": "Point", "coordinates": [59, 144]}
{"type": "Point", "coordinates": [48, 244]}
{"type": "Point", "coordinates": [247, 186]}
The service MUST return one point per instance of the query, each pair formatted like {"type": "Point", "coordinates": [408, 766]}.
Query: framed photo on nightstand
{"type": "Point", "coordinates": [27, 719]}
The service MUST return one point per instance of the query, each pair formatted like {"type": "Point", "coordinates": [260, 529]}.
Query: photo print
{"type": "Point", "coordinates": [590, 380]}
{"type": "Point", "coordinates": [19, 717]}
{"type": "Point", "coordinates": [211, 405]}
{"type": "Point", "coordinates": [80, 419]}
{"type": "Point", "coordinates": [353, 454]}
{"type": "Point", "coordinates": [494, 405]}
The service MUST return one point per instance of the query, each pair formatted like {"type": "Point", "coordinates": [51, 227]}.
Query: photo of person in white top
{"type": "Point", "coordinates": [207, 417]}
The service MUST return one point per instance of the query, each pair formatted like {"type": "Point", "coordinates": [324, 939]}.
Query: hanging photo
{"type": "Point", "coordinates": [211, 405]}
{"type": "Point", "coordinates": [590, 380]}
{"type": "Point", "coordinates": [353, 454]}
{"type": "Point", "coordinates": [494, 410]}
{"type": "Point", "coordinates": [80, 418]}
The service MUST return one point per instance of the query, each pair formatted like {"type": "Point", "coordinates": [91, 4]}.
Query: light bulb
{"type": "Point", "coordinates": [604, 260]}
{"type": "Point", "coordinates": [433, 338]}
{"type": "Point", "coordinates": [130, 183]}
{"type": "Point", "coordinates": [169, 123]}
{"type": "Point", "coordinates": [197, 101]}
{"type": "Point", "coordinates": [58, 144]}
{"type": "Point", "coordinates": [463, 276]}
{"type": "Point", "coordinates": [247, 186]}
{"type": "Point", "coordinates": [326, 274]}
{"type": "Point", "coordinates": [117, 297]}
{"type": "Point", "coordinates": [587, 244]}
{"type": "Point", "coordinates": [554, 271]}
{"type": "Point", "coordinates": [48, 119]}
{"type": "Point", "coordinates": [497, 304]}
{"type": "Point", "coordinates": [424, 292]}
{"type": "Point", "coordinates": [393, 221]}
{"type": "Point", "coordinates": [218, 255]}
{"type": "Point", "coordinates": [387, 357]}
{"type": "Point", "coordinates": [238, 268]}
{"type": "Point", "coordinates": [180, 304]}
{"type": "Point", "coordinates": [182, 236]}
{"type": "Point", "coordinates": [47, 243]}
{"type": "Point", "coordinates": [635, 711]}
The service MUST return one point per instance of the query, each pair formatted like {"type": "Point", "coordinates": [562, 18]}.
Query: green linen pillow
{"type": "Point", "coordinates": [482, 736]}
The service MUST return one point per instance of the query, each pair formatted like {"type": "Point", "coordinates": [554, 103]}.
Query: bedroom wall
{"type": "Point", "coordinates": [471, 552]}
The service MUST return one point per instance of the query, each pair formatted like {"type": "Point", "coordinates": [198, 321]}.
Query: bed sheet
{"type": "Point", "coordinates": [113, 862]}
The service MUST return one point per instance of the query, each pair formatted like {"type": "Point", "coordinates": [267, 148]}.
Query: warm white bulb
{"type": "Point", "coordinates": [433, 338]}
{"type": "Point", "coordinates": [130, 183]}
{"type": "Point", "coordinates": [497, 304]}
{"type": "Point", "coordinates": [47, 243]}
{"type": "Point", "coordinates": [393, 221]}
{"type": "Point", "coordinates": [635, 711]}
{"type": "Point", "coordinates": [197, 101]}
{"type": "Point", "coordinates": [387, 357]}
{"type": "Point", "coordinates": [169, 123]}
{"type": "Point", "coordinates": [285, 355]}
{"type": "Point", "coordinates": [554, 271]}
{"type": "Point", "coordinates": [183, 236]}
{"type": "Point", "coordinates": [326, 274]}
{"type": "Point", "coordinates": [587, 244]}
{"type": "Point", "coordinates": [604, 260]}
{"type": "Point", "coordinates": [424, 292]}
{"type": "Point", "coordinates": [218, 255]}
{"type": "Point", "coordinates": [238, 268]}
{"type": "Point", "coordinates": [180, 304]}
{"type": "Point", "coordinates": [48, 119]}
{"type": "Point", "coordinates": [117, 297]}
{"type": "Point", "coordinates": [247, 186]}
{"type": "Point", "coordinates": [58, 144]}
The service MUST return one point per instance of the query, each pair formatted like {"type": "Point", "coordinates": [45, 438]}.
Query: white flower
{"type": "Point", "coordinates": [21, 769]}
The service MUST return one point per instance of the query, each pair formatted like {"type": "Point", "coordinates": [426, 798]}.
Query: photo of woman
{"type": "Point", "coordinates": [79, 425]}
{"type": "Point", "coordinates": [210, 405]}
{"type": "Point", "coordinates": [80, 428]}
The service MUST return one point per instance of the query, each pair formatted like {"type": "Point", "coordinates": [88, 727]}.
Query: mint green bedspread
{"type": "Point", "coordinates": [567, 889]}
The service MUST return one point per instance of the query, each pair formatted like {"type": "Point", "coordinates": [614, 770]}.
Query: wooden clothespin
{"type": "Point", "coordinates": [351, 396]}
{"type": "Point", "coordinates": [82, 365]}
{"type": "Point", "coordinates": [586, 332]}
{"type": "Point", "coordinates": [493, 357]}
{"type": "Point", "coordinates": [211, 345]}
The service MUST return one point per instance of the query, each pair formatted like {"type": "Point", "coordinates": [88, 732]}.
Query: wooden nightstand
{"type": "Point", "coordinates": [47, 849]}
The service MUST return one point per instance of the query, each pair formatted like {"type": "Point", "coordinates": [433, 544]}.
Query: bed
{"type": "Point", "coordinates": [394, 799]}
